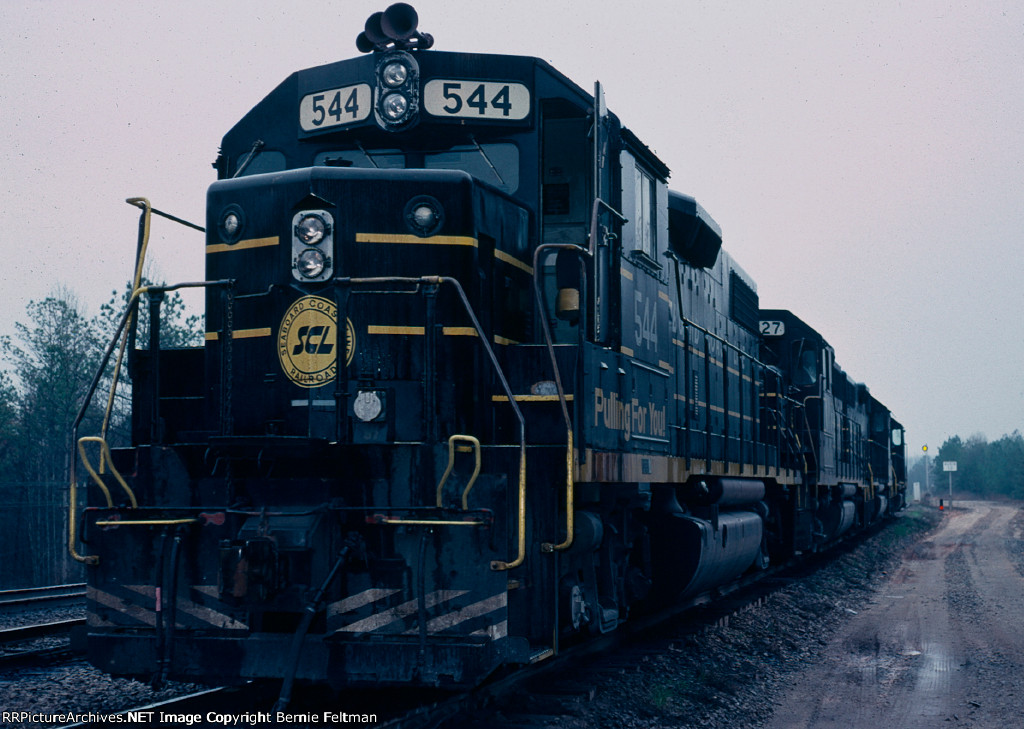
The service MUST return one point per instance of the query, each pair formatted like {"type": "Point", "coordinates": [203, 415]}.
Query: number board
{"type": "Point", "coordinates": [771, 328]}
{"type": "Point", "coordinates": [464, 99]}
{"type": "Point", "coordinates": [335, 107]}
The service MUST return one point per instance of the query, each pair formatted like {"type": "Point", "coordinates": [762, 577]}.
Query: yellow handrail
{"type": "Point", "coordinates": [105, 453]}
{"type": "Point", "coordinates": [521, 555]}
{"type": "Point", "coordinates": [569, 505]}
{"type": "Point", "coordinates": [73, 528]}
{"type": "Point", "coordinates": [451, 465]}
{"type": "Point", "coordinates": [147, 208]}
{"type": "Point", "coordinates": [429, 522]}
{"type": "Point", "coordinates": [147, 522]}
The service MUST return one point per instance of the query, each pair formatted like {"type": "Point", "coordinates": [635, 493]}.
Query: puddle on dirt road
{"type": "Point", "coordinates": [934, 672]}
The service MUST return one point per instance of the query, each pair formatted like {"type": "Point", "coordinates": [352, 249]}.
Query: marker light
{"type": "Point", "coordinates": [232, 221]}
{"type": "Point", "coordinates": [424, 215]}
{"type": "Point", "coordinates": [232, 224]}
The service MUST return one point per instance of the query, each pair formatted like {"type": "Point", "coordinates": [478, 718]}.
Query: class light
{"type": "Point", "coordinates": [311, 229]}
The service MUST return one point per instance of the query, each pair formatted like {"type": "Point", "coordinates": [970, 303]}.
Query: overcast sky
{"type": "Point", "coordinates": [864, 159]}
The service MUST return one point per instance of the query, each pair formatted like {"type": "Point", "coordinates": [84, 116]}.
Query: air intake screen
{"type": "Point", "coordinates": [744, 306]}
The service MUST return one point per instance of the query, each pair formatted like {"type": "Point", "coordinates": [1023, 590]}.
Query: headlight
{"type": "Point", "coordinates": [311, 263]}
{"type": "Point", "coordinates": [311, 229]}
{"type": "Point", "coordinates": [395, 74]}
{"type": "Point", "coordinates": [313, 256]}
{"type": "Point", "coordinates": [395, 106]}
{"type": "Point", "coordinates": [396, 96]}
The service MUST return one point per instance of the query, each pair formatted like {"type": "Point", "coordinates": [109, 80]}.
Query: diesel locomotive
{"type": "Point", "coordinates": [475, 384]}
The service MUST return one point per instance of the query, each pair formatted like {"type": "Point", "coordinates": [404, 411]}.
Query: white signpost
{"type": "Point", "coordinates": [949, 466]}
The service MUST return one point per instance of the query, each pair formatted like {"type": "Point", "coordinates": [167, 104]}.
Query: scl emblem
{"type": "Point", "coordinates": [307, 342]}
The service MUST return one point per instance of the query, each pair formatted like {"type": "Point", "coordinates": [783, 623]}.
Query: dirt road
{"type": "Point", "coordinates": [941, 644]}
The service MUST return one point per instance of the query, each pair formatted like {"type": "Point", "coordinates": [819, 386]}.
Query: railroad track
{"type": "Point", "coordinates": [218, 701]}
{"type": "Point", "coordinates": [39, 630]}
{"type": "Point", "coordinates": [27, 644]}
{"type": "Point", "coordinates": [13, 601]}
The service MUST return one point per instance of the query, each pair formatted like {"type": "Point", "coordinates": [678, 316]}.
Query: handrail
{"type": "Point", "coordinates": [121, 332]}
{"type": "Point", "coordinates": [73, 461]}
{"type": "Point", "coordinates": [810, 440]}
{"type": "Point", "coordinates": [595, 206]}
{"type": "Point", "coordinates": [570, 499]}
{"type": "Point", "coordinates": [147, 522]}
{"type": "Point", "coordinates": [475, 442]}
{"type": "Point", "coordinates": [105, 453]}
{"type": "Point", "coordinates": [570, 504]}
{"type": "Point", "coordinates": [140, 259]}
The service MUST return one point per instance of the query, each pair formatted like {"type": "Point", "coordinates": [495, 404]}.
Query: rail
{"type": "Point", "coordinates": [32, 597]}
{"type": "Point", "coordinates": [38, 630]}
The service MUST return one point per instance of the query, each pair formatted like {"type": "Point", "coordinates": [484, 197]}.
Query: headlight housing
{"type": "Point", "coordinates": [396, 99]}
{"type": "Point", "coordinates": [424, 215]}
{"type": "Point", "coordinates": [312, 246]}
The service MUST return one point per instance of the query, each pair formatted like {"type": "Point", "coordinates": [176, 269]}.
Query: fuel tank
{"type": "Point", "coordinates": [691, 554]}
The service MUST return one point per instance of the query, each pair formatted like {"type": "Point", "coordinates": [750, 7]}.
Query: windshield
{"type": "Point", "coordinates": [805, 370]}
{"type": "Point", "coordinates": [496, 164]}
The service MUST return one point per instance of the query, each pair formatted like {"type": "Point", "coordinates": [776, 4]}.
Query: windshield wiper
{"type": "Point", "coordinates": [486, 159]}
{"type": "Point", "coordinates": [257, 147]}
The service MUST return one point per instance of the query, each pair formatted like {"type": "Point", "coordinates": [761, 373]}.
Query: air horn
{"type": "Point", "coordinates": [394, 28]}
